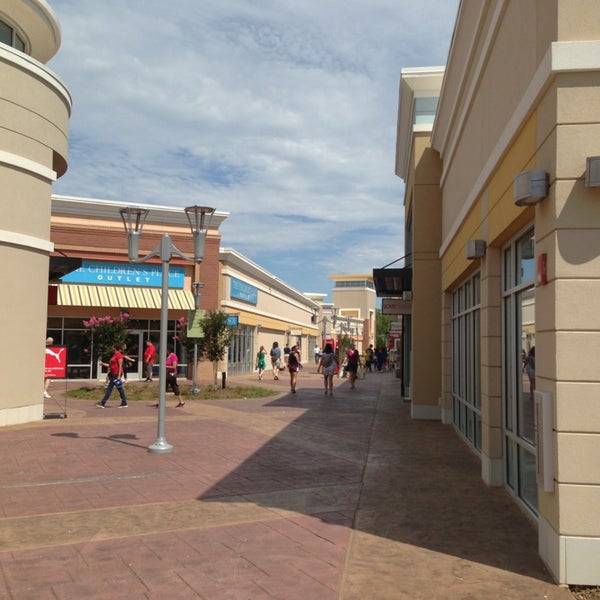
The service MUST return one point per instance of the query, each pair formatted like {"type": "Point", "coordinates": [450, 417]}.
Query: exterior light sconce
{"type": "Point", "coordinates": [476, 249]}
{"type": "Point", "coordinates": [530, 187]}
{"type": "Point", "coordinates": [592, 171]}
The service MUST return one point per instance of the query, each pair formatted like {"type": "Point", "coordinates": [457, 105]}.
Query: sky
{"type": "Point", "coordinates": [280, 112]}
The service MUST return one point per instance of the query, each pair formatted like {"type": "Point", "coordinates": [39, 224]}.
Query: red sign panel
{"type": "Point", "coordinates": [56, 362]}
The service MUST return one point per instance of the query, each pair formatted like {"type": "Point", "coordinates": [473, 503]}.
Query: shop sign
{"type": "Point", "coordinates": [129, 274]}
{"type": "Point", "coordinates": [232, 320]}
{"type": "Point", "coordinates": [396, 306]}
{"type": "Point", "coordinates": [195, 329]}
{"type": "Point", "coordinates": [56, 362]}
{"type": "Point", "coordinates": [240, 290]}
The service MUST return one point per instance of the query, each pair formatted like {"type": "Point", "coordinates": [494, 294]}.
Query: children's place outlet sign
{"type": "Point", "coordinates": [107, 273]}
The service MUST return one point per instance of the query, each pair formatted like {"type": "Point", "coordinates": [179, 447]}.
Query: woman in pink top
{"type": "Point", "coordinates": [172, 362]}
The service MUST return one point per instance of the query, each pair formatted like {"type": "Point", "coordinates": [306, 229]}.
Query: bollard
{"type": "Point", "coordinates": [223, 378]}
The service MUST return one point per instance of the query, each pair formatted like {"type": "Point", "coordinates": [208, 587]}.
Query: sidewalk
{"type": "Point", "coordinates": [288, 497]}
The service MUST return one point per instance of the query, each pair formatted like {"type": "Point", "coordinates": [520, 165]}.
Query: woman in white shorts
{"type": "Point", "coordinates": [327, 364]}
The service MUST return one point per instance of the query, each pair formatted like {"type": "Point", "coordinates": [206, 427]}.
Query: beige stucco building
{"type": "Point", "coordinates": [267, 310]}
{"type": "Point", "coordinates": [35, 107]}
{"type": "Point", "coordinates": [262, 307]}
{"type": "Point", "coordinates": [354, 304]}
{"type": "Point", "coordinates": [502, 219]}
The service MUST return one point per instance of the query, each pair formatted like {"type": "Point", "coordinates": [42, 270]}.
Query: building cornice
{"type": "Point", "coordinates": [109, 209]}
{"type": "Point", "coordinates": [560, 58]}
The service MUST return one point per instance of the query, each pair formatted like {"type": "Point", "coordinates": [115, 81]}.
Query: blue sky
{"type": "Point", "coordinates": [280, 112]}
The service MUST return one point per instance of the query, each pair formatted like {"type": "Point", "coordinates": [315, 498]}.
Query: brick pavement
{"type": "Point", "coordinates": [288, 497]}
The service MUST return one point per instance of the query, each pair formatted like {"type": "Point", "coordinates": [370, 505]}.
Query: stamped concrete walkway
{"type": "Point", "coordinates": [290, 497]}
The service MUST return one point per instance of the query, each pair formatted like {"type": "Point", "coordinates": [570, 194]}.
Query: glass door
{"type": "Point", "coordinates": [135, 351]}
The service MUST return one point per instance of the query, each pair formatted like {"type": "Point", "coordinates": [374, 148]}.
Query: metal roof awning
{"type": "Point", "coordinates": [121, 297]}
{"type": "Point", "coordinates": [392, 282]}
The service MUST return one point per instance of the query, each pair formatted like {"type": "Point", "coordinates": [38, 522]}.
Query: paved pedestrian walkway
{"type": "Point", "coordinates": [302, 496]}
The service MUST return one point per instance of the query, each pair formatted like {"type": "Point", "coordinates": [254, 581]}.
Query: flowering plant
{"type": "Point", "coordinates": [105, 332]}
{"type": "Point", "coordinates": [181, 337]}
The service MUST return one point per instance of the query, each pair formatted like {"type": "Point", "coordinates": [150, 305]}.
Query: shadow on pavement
{"type": "Point", "coordinates": [414, 482]}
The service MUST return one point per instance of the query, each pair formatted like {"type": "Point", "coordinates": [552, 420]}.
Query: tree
{"type": "Point", "coordinates": [383, 329]}
{"type": "Point", "coordinates": [105, 332]}
{"type": "Point", "coordinates": [217, 337]}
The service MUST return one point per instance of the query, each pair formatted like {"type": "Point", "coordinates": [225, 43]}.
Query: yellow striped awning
{"type": "Point", "coordinates": [70, 294]}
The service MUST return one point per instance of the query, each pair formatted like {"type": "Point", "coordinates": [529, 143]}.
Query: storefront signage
{"type": "Point", "coordinates": [396, 306]}
{"type": "Point", "coordinates": [56, 362]}
{"type": "Point", "coordinates": [232, 320]}
{"type": "Point", "coordinates": [240, 290]}
{"type": "Point", "coordinates": [195, 329]}
{"type": "Point", "coordinates": [107, 273]}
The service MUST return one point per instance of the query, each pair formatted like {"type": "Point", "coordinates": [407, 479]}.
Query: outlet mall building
{"type": "Point", "coordinates": [92, 277]}
{"type": "Point", "coordinates": [500, 154]}
{"type": "Point", "coordinates": [79, 246]}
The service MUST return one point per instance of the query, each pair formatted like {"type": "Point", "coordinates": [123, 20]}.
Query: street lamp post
{"type": "Point", "coordinates": [133, 221]}
{"type": "Point", "coordinates": [197, 287]}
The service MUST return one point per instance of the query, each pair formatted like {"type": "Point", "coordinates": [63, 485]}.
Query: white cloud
{"type": "Point", "coordinates": [281, 112]}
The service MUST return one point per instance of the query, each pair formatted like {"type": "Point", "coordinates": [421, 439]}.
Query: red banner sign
{"type": "Point", "coordinates": [56, 362]}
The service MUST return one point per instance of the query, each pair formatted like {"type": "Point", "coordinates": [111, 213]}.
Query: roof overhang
{"type": "Point", "coordinates": [392, 283]}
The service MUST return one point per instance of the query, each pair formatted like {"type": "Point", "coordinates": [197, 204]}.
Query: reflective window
{"type": "Point", "coordinates": [425, 109]}
{"type": "Point", "coordinates": [466, 363]}
{"type": "Point", "coordinates": [518, 367]}
{"type": "Point", "coordinates": [10, 37]}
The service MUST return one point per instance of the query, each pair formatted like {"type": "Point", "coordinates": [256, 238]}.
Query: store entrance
{"type": "Point", "coordinates": [135, 351]}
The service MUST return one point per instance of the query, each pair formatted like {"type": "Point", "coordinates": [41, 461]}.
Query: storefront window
{"type": "Point", "coordinates": [466, 378]}
{"type": "Point", "coordinates": [518, 384]}
{"type": "Point", "coordinates": [240, 357]}
{"type": "Point", "coordinates": [70, 332]}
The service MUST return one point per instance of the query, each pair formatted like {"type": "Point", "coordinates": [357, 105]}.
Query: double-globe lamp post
{"type": "Point", "coordinates": [133, 221]}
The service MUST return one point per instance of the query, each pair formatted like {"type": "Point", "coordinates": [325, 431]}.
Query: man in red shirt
{"type": "Point", "coordinates": [115, 373]}
{"type": "Point", "coordinates": [149, 357]}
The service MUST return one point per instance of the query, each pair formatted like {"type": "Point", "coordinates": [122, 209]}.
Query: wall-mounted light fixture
{"type": "Point", "coordinates": [530, 187]}
{"type": "Point", "coordinates": [592, 171]}
{"type": "Point", "coordinates": [476, 249]}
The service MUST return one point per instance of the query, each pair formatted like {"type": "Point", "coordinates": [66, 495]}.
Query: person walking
{"type": "Point", "coordinates": [261, 361]}
{"type": "Point", "coordinates": [369, 357]}
{"type": "Point", "coordinates": [529, 368]}
{"type": "Point", "coordinates": [353, 360]}
{"type": "Point", "coordinates": [149, 358]}
{"type": "Point", "coordinates": [327, 365]}
{"type": "Point", "coordinates": [275, 360]}
{"type": "Point", "coordinates": [171, 364]}
{"type": "Point", "coordinates": [127, 362]}
{"type": "Point", "coordinates": [49, 342]}
{"type": "Point", "coordinates": [115, 372]}
{"type": "Point", "coordinates": [294, 365]}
